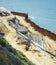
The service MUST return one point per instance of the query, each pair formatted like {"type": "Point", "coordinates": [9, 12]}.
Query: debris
{"type": "Point", "coordinates": [14, 22]}
{"type": "Point", "coordinates": [4, 12]}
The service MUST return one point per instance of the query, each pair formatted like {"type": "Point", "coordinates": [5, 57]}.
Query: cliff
{"type": "Point", "coordinates": [36, 55]}
{"type": "Point", "coordinates": [43, 31]}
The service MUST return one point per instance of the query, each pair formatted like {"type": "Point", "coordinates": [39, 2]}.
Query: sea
{"type": "Point", "coordinates": [41, 12]}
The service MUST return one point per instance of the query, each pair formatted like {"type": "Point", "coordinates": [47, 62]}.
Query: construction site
{"type": "Point", "coordinates": [36, 43]}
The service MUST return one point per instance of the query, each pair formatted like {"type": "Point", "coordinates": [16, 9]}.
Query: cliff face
{"type": "Point", "coordinates": [43, 31]}
{"type": "Point", "coordinates": [20, 14]}
{"type": "Point", "coordinates": [38, 57]}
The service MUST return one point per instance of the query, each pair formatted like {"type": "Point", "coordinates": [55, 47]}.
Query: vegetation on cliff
{"type": "Point", "coordinates": [10, 56]}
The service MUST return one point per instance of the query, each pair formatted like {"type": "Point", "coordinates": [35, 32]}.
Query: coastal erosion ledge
{"type": "Point", "coordinates": [43, 31]}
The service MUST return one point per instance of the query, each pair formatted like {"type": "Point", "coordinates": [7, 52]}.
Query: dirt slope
{"type": "Point", "coordinates": [37, 57]}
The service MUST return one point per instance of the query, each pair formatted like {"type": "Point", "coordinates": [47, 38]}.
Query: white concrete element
{"type": "Point", "coordinates": [14, 22]}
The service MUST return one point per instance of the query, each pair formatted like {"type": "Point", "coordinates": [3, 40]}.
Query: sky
{"type": "Point", "coordinates": [42, 12]}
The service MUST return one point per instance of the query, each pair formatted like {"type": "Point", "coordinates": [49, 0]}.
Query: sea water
{"type": "Point", "coordinates": [42, 12]}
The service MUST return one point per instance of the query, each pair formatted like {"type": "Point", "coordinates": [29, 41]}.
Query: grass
{"type": "Point", "coordinates": [11, 56]}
